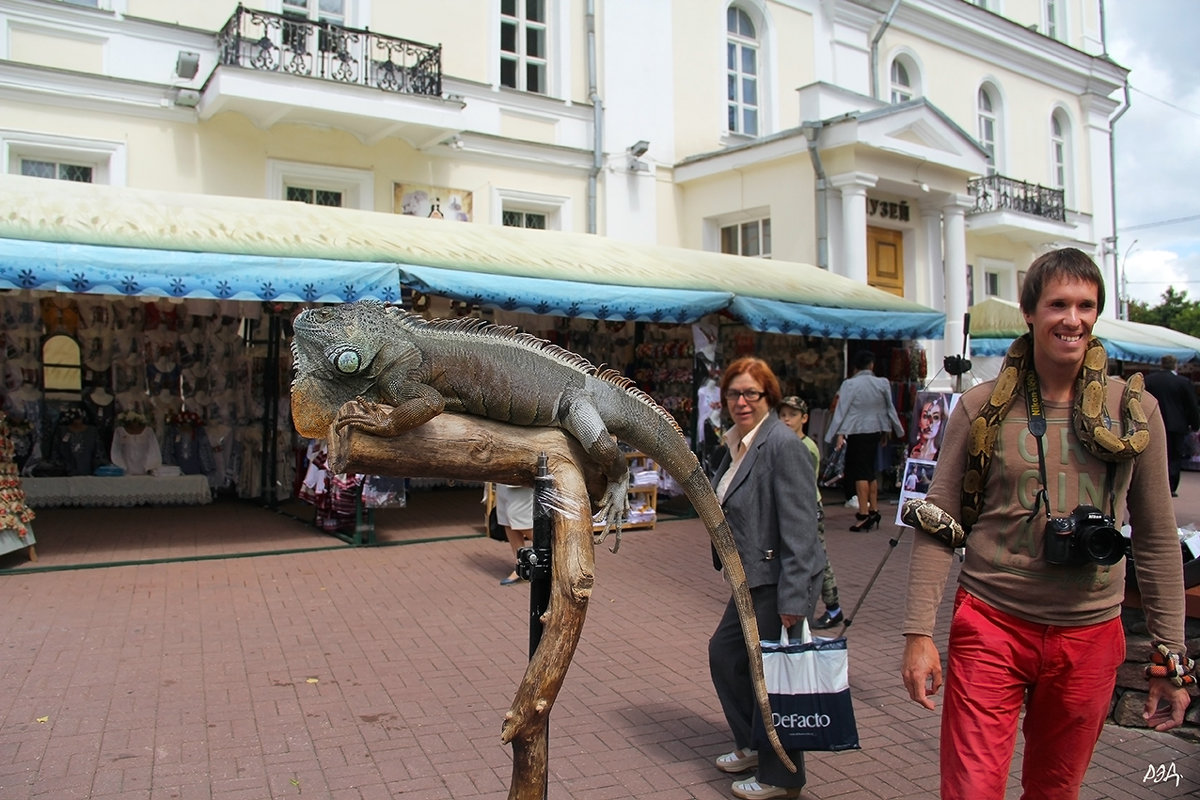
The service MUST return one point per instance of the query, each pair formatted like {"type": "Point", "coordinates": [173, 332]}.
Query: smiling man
{"type": "Point", "coordinates": [1040, 467]}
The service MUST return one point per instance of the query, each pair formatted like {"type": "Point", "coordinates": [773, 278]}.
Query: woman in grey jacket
{"type": "Point", "coordinates": [768, 488]}
{"type": "Point", "coordinates": [864, 413]}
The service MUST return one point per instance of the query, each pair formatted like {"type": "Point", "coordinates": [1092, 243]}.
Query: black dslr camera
{"type": "Point", "coordinates": [1086, 537]}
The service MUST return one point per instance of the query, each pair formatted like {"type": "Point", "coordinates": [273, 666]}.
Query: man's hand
{"type": "Point", "coordinates": [1176, 700]}
{"type": "Point", "coordinates": [922, 669]}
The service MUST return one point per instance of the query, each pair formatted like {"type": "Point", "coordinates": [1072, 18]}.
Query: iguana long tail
{"type": "Point", "coordinates": [699, 492]}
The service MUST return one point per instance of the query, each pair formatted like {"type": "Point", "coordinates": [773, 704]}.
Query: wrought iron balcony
{"type": "Point", "coordinates": [998, 193]}
{"type": "Point", "coordinates": [279, 43]}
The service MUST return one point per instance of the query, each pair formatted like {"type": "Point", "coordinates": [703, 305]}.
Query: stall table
{"type": "Point", "coordinates": [126, 490]}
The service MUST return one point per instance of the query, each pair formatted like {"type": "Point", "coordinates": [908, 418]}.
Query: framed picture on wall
{"type": "Point", "coordinates": [436, 202]}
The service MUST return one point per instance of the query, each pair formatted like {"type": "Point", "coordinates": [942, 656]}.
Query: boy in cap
{"type": "Point", "coordinates": [793, 412]}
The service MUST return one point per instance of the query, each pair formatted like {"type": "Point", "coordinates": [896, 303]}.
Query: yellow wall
{"type": "Point", "coordinates": [784, 189]}
{"type": "Point", "coordinates": [698, 35]}
{"type": "Point", "coordinates": [47, 48]}
{"type": "Point", "coordinates": [951, 82]}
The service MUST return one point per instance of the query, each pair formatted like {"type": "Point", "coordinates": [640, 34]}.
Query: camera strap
{"type": "Point", "coordinates": [1037, 427]}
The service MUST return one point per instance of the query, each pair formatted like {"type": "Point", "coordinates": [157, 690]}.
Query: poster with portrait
{"type": "Point", "coordinates": [928, 425]}
{"type": "Point", "coordinates": [926, 431]}
{"type": "Point", "coordinates": [436, 202]}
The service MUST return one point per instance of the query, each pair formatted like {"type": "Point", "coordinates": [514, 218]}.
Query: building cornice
{"type": "Point", "coordinates": [86, 92]}
{"type": "Point", "coordinates": [984, 36]}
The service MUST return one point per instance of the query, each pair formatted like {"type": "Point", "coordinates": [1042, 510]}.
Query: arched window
{"type": "Point", "coordinates": [742, 72]}
{"type": "Point", "coordinates": [988, 115]}
{"type": "Point", "coordinates": [1060, 153]}
{"type": "Point", "coordinates": [902, 85]}
{"type": "Point", "coordinates": [1053, 13]}
{"type": "Point", "coordinates": [62, 370]}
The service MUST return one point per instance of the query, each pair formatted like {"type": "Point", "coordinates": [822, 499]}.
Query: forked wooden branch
{"type": "Point", "coordinates": [472, 448]}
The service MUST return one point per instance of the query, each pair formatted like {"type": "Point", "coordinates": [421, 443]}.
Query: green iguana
{"type": "Point", "coordinates": [377, 356]}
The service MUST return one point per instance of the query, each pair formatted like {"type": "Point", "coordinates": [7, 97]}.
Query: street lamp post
{"type": "Point", "coordinates": [1125, 281]}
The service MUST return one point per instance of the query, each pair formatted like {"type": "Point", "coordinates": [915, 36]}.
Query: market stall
{"type": "Point", "coordinates": [253, 262]}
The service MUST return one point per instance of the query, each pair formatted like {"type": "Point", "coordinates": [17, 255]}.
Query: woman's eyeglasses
{"type": "Point", "coordinates": [751, 395]}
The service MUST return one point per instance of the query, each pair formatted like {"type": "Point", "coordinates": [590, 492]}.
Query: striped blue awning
{"type": "Point", "coordinates": [565, 298]}
{"type": "Point", "coordinates": [102, 269]}
{"type": "Point", "coordinates": [97, 269]}
{"type": "Point", "coordinates": [778, 316]}
{"type": "Point", "coordinates": [1121, 350]}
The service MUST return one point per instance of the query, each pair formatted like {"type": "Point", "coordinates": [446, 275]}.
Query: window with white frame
{"type": "Point", "coordinates": [902, 87]}
{"type": "Point", "coordinates": [63, 158]}
{"type": "Point", "coordinates": [295, 35]}
{"type": "Point", "coordinates": [524, 45]}
{"type": "Point", "coordinates": [332, 11]}
{"type": "Point", "coordinates": [1058, 152]}
{"type": "Point", "coordinates": [320, 185]}
{"type": "Point", "coordinates": [519, 209]}
{"type": "Point", "coordinates": [997, 278]}
{"type": "Point", "coordinates": [752, 238]}
{"type": "Point", "coordinates": [991, 284]}
{"type": "Point", "coordinates": [742, 72]}
{"type": "Point", "coordinates": [313, 196]}
{"type": "Point", "coordinates": [1053, 19]}
{"type": "Point", "coordinates": [516, 218]}
{"type": "Point", "coordinates": [58, 170]}
{"type": "Point", "coordinates": [987, 114]}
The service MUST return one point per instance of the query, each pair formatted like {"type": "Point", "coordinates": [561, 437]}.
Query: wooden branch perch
{"type": "Point", "coordinates": [472, 448]}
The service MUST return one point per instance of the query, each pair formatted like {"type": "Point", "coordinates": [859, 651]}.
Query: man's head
{"type": "Point", "coordinates": [1061, 301]}
{"type": "Point", "coordinates": [863, 359]}
{"type": "Point", "coordinates": [1169, 362]}
{"type": "Point", "coordinates": [1067, 263]}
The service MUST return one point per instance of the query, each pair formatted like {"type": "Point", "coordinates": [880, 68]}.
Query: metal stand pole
{"type": "Point", "coordinates": [534, 565]}
{"type": "Point", "coordinates": [892, 542]}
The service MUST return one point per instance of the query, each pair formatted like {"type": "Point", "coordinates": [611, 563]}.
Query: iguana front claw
{"type": "Point", "coordinates": [614, 510]}
{"type": "Point", "coordinates": [361, 413]}
{"type": "Point", "coordinates": [383, 420]}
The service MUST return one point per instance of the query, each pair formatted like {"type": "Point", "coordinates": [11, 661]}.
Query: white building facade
{"type": "Point", "coordinates": [931, 148]}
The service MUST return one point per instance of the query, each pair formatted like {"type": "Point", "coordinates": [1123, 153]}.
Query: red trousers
{"type": "Point", "coordinates": [1065, 677]}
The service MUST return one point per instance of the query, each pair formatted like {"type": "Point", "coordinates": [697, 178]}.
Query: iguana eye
{"type": "Point", "coordinates": [347, 361]}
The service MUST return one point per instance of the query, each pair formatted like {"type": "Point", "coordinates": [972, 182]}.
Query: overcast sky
{"type": "Point", "coordinates": [1158, 145]}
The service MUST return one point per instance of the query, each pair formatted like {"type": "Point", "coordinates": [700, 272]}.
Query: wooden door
{"type": "Point", "coordinates": [885, 259]}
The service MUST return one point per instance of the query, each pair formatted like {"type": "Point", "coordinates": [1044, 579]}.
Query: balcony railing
{"type": "Point", "coordinates": [279, 43]}
{"type": "Point", "coordinates": [998, 193]}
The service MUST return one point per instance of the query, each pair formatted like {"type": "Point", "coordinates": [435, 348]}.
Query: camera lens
{"type": "Point", "coordinates": [1103, 544]}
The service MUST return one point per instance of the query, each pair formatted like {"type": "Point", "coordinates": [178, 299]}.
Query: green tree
{"type": "Point", "coordinates": [1175, 311]}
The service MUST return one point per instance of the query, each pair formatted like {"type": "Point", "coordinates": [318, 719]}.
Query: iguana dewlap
{"type": "Point", "coordinates": [381, 355]}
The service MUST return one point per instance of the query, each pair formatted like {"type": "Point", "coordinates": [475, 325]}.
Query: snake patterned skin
{"type": "Point", "coordinates": [1089, 419]}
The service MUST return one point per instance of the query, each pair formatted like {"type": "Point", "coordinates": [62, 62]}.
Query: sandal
{"type": "Point", "coordinates": [754, 790]}
{"type": "Point", "coordinates": [738, 761]}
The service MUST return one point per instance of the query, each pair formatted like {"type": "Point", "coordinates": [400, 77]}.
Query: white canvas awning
{"type": "Point", "coordinates": [78, 237]}
{"type": "Point", "coordinates": [996, 323]}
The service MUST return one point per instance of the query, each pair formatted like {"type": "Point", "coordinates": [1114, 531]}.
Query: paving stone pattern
{"type": "Point", "coordinates": [371, 673]}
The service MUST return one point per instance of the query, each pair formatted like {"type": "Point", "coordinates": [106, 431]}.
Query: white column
{"type": "Point", "coordinates": [932, 268]}
{"type": "Point", "coordinates": [853, 261]}
{"type": "Point", "coordinates": [954, 230]}
{"type": "Point", "coordinates": [931, 256]}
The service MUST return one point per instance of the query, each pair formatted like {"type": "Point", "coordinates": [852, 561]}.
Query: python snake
{"type": "Point", "coordinates": [1089, 418]}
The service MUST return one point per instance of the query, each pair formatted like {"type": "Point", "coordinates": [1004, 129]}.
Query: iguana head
{"type": "Point", "coordinates": [333, 351]}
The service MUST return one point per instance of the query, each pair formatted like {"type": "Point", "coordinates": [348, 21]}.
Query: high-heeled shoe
{"type": "Point", "coordinates": [866, 521]}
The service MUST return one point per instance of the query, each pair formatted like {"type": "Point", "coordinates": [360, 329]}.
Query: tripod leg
{"type": "Point", "coordinates": [892, 542]}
